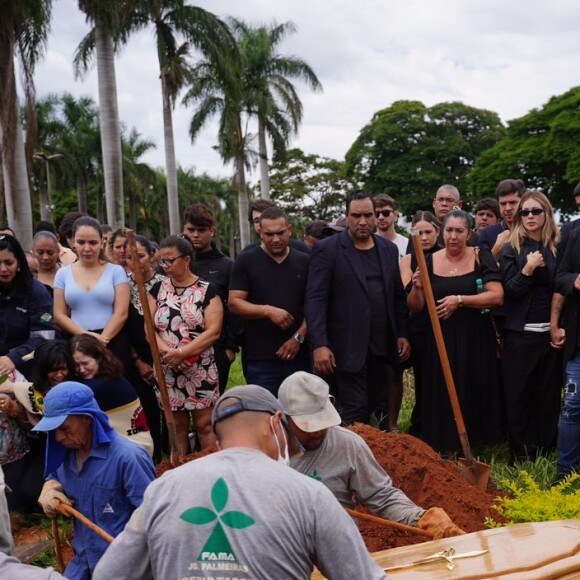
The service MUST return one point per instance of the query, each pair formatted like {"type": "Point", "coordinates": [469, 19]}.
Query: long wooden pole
{"type": "Point", "coordinates": [176, 452]}
{"type": "Point", "coordinates": [389, 523]}
{"type": "Point", "coordinates": [68, 510]}
{"type": "Point", "coordinates": [443, 357]}
{"type": "Point", "coordinates": [57, 545]}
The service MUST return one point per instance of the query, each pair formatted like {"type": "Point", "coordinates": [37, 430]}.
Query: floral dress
{"type": "Point", "coordinates": [179, 319]}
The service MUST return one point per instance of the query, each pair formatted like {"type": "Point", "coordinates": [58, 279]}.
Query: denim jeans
{"type": "Point", "coordinates": [569, 444]}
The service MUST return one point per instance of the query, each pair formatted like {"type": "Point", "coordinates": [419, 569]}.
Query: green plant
{"type": "Point", "coordinates": [532, 503]}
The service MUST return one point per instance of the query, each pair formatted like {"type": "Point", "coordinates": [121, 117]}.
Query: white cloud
{"type": "Point", "coordinates": [505, 56]}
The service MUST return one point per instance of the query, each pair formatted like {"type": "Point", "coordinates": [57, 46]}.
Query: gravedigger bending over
{"type": "Point", "coordinates": [343, 461]}
{"type": "Point", "coordinates": [239, 513]}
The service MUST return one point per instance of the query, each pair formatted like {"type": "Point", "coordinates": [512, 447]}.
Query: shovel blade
{"type": "Point", "coordinates": [475, 471]}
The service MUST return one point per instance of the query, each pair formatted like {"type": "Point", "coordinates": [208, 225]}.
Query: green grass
{"type": "Point", "coordinates": [236, 377]}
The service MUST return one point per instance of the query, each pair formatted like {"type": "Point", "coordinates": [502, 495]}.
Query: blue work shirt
{"type": "Point", "coordinates": [109, 487]}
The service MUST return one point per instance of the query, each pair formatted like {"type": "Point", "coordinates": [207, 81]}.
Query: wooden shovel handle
{"type": "Point", "coordinates": [57, 545]}
{"type": "Point", "coordinates": [389, 523]}
{"type": "Point", "coordinates": [440, 342]}
{"type": "Point", "coordinates": [71, 511]}
{"type": "Point", "coordinates": [176, 452]}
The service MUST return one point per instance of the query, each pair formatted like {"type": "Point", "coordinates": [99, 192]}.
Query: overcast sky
{"type": "Point", "coordinates": [507, 56]}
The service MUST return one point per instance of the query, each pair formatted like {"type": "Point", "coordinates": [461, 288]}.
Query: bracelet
{"type": "Point", "coordinates": [459, 301]}
{"type": "Point", "coordinates": [525, 273]}
{"type": "Point", "coordinates": [264, 311]}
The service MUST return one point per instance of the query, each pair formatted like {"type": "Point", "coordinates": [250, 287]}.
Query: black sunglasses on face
{"type": "Point", "coordinates": [527, 212]}
{"type": "Point", "coordinates": [383, 212]}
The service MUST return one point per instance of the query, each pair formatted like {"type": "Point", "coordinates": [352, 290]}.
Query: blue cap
{"type": "Point", "coordinates": [68, 398]}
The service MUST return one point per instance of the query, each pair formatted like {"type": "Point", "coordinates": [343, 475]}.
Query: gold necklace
{"type": "Point", "coordinates": [455, 271]}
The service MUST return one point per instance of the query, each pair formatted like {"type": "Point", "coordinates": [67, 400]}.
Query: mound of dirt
{"type": "Point", "coordinates": [429, 481]}
{"type": "Point", "coordinates": [424, 476]}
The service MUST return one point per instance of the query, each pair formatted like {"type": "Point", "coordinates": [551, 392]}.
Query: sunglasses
{"type": "Point", "coordinates": [383, 212]}
{"type": "Point", "coordinates": [527, 212]}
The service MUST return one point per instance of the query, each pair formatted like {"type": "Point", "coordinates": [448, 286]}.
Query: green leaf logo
{"type": "Point", "coordinates": [316, 475]}
{"type": "Point", "coordinates": [217, 546]}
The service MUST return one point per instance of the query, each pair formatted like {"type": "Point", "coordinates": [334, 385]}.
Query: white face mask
{"type": "Point", "coordinates": [285, 459]}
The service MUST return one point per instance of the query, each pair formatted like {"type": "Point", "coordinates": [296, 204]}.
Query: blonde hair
{"type": "Point", "coordinates": [549, 234]}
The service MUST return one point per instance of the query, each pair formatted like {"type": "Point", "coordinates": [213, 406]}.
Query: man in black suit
{"type": "Point", "coordinates": [356, 310]}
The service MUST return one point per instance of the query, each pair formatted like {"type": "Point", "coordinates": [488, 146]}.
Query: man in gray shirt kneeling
{"type": "Point", "coordinates": [344, 462]}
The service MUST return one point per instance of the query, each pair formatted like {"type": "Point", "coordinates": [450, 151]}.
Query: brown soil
{"type": "Point", "coordinates": [429, 481]}
{"type": "Point", "coordinates": [424, 476]}
{"type": "Point", "coordinates": [23, 535]}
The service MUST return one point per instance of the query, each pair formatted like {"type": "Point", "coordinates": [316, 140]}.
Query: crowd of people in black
{"type": "Point", "coordinates": [347, 303]}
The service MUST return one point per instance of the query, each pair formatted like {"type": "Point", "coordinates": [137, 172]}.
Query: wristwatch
{"type": "Point", "coordinates": [299, 338]}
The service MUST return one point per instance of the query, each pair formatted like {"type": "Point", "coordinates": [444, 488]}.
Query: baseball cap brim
{"type": "Point", "coordinates": [324, 419]}
{"type": "Point", "coordinates": [50, 423]}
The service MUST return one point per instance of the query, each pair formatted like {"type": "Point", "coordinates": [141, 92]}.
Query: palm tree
{"type": "Point", "coordinates": [217, 90]}
{"type": "Point", "coordinates": [81, 143]}
{"type": "Point", "coordinates": [172, 21]}
{"type": "Point", "coordinates": [24, 26]}
{"type": "Point", "coordinates": [112, 22]}
{"type": "Point", "coordinates": [268, 93]}
{"type": "Point", "coordinates": [138, 175]}
{"type": "Point", "coordinates": [43, 141]}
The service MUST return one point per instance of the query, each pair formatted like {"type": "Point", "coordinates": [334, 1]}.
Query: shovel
{"type": "Point", "coordinates": [475, 471]}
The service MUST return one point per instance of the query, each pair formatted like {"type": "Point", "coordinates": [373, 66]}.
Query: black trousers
{"type": "Point", "coordinates": [363, 391]}
{"type": "Point", "coordinates": [532, 385]}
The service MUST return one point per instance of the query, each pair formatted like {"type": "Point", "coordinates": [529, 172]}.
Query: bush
{"type": "Point", "coordinates": [531, 503]}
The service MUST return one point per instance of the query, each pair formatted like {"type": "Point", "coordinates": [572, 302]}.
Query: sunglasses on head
{"type": "Point", "coordinates": [383, 212]}
{"type": "Point", "coordinates": [527, 212]}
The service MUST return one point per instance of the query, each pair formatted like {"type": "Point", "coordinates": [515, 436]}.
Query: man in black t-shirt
{"type": "Point", "coordinates": [267, 290]}
{"type": "Point", "coordinates": [356, 310]}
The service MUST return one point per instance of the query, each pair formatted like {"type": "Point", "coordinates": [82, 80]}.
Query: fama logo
{"type": "Point", "coordinates": [217, 546]}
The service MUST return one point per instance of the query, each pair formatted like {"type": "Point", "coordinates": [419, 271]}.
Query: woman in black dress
{"type": "Point", "coordinates": [466, 282]}
{"type": "Point", "coordinates": [426, 226]}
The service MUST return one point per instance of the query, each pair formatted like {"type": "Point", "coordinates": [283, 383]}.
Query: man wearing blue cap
{"type": "Point", "coordinates": [88, 464]}
{"type": "Point", "coordinates": [240, 513]}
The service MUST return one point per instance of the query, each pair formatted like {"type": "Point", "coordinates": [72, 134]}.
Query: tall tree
{"type": "Point", "coordinates": [310, 186]}
{"type": "Point", "coordinates": [269, 95]}
{"type": "Point", "coordinates": [541, 148]}
{"type": "Point", "coordinates": [112, 22]}
{"type": "Point", "coordinates": [24, 27]}
{"type": "Point", "coordinates": [138, 175]}
{"type": "Point", "coordinates": [408, 150]}
{"type": "Point", "coordinates": [174, 21]}
{"type": "Point", "coordinates": [215, 89]}
{"type": "Point", "coordinates": [81, 144]}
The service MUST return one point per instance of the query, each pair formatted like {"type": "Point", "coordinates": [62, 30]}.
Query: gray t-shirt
{"type": "Point", "coordinates": [346, 465]}
{"type": "Point", "coordinates": [237, 514]}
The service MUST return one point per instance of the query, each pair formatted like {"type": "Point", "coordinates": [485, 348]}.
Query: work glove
{"type": "Point", "coordinates": [50, 496]}
{"type": "Point", "coordinates": [436, 521]}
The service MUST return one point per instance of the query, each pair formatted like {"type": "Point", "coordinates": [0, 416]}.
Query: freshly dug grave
{"type": "Point", "coordinates": [429, 481]}
{"type": "Point", "coordinates": [424, 476]}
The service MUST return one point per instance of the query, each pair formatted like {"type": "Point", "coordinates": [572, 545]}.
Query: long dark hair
{"type": "Point", "coordinates": [49, 355]}
{"type": "Point", "coordinates": [110, 367]}
{"type": "Point", "coordinates": [23, 279]}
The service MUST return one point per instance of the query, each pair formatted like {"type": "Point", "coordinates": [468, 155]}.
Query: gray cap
{"type": "Point", "coordinates": [337, 225]}
{"type": "Point", "coordinates": [248, 398]}
{"type": "Point", "coordinates": [304, 397]}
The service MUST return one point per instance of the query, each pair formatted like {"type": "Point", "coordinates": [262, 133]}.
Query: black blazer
{"type": "Point", "coordinates": [568, 270]}
{"type": "Point", "coordinates": [337, 307]}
